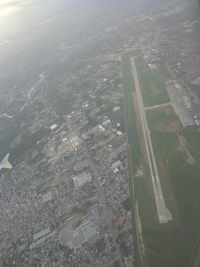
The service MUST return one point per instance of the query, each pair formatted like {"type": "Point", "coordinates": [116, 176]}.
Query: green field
{"type": "Point", "coordinates": [129, 110]}
{"type": "Point", "coordinates": [192, 136]}
{"type": "Point", "coordinates": [172, 244]}
{"type": "Point", "coordinates": [152, 84]}
{"type": "Point", "coordinates": [141, 65]}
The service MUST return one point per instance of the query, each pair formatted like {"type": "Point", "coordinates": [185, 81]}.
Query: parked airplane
{"type": "Point", "coordinates": [5, 164]}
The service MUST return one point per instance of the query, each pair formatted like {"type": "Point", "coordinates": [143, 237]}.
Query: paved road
{"type": "Point", "coordinates": [164, 215]}
{"type": "Point", "coordinates": [158, 106]}
{"type": "Point", "coordinates": [5, 115]}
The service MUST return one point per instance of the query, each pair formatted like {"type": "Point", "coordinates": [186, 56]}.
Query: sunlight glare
{"type": "Point", "coordinates": [8, 10]}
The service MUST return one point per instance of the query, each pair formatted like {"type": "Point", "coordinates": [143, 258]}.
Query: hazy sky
{"type": "Point", "coordinates": [7, 2]}
{"type": "Point", "coordinates": [22, 15]}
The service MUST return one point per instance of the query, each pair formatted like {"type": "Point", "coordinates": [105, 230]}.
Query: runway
{"type": "Point", "coordinates": [164, 215]}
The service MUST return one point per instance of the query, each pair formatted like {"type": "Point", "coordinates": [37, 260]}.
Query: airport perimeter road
{"type": "Point", "coordinates": [158, 106]}
{"type": "Point", "coordinates": [164, 215]}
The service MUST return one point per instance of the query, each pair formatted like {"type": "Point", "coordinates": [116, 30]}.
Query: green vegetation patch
{"type": "Point", "coordinates": [141, 65]}
{"type": "Point", "coordinates": [132, 133]}
{"type": "Point", "coordinates": [116, 264]}
{"type": "Point", "coordinates": [146, 204]}
{"type": "Point", "coordinates": [191, 134]}
{"type": "Point", "coordinates": [100, 245]}
{"type": "Point", "coordinates": [127, 204]}
{"type": "Point", "coordinates": [152, 85]}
